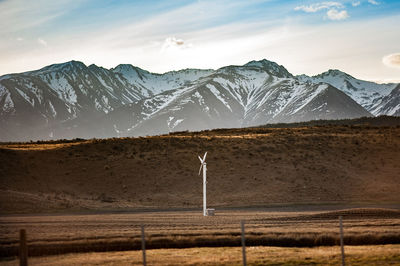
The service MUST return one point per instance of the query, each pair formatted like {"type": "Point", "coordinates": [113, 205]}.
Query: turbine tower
{"type": "Point", "coordinates": [204, 165]}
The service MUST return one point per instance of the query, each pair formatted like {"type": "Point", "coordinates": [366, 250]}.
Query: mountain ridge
{"type": "Point", "coordinates": [71, 99]}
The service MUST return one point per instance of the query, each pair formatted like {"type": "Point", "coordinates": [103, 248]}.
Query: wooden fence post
{"type": "Point", "coordinates": [341, 239]}
{"type": "Point", "coordinates": [243, 243]}
{"type": "Point", "coordinates": [23, 248]}
{"type": "Point", "coordinates": [143, 246]}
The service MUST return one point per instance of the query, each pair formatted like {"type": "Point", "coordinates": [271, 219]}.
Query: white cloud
{"type": "Point", "coordinates": [334, 14]}
{"type": "Point", "coordinates": [373, 2]}
{"type": "Point", "coordinates": [392, 60]}
{"type": "Point", "coordinates": [356, 3]}
{"type": "Point", "coordinates": [42, 42]}
{"type": "Point", "coordinates": [319, 6]}
{"type": "Point", "coordinates": [20, 39]}
{"type": "Point", "coordinates": [174, 43]}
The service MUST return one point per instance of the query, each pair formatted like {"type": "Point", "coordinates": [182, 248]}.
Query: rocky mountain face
{"type": "Point", "coordinates": [73, 100]}
{"type": "Point", "coordinates": [368, 94]}
{"type": "Point", "coordinates": [390, 104]}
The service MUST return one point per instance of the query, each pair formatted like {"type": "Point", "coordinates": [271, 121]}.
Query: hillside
{"type": "Point", "coordinates": [259, 166]}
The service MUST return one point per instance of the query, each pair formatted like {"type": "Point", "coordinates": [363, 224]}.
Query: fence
{"type": "Point", "coordinates": [23, 247]}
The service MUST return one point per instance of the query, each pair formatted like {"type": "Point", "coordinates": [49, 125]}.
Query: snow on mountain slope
{"type": "Point", "coordinates": [72, 100]}
{"type": "Point", "coordinates": [367, 94]}
{"type": "Point", "coordinates": [237, 96]}
{"type": "Point", "coordinates": [321, 101]}
{"type": "Point", "coordinates": [219, 99]}
{"type": "Point", "coordinates": [197, 107]}
{"type": "Point", "coordinates": [284, 100]}
{"type": "Point", "coordinates": [5, 101]}
{"type": "Point", "coordinates": [241, 82]}
{"type": "Point", "coordinates": [56, 94]}
{"type": "Point", "coordinates": [390, 104]}
{"type": "Point", "coordinates": [156, 83]}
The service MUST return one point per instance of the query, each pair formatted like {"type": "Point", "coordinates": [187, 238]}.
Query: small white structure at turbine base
{"type": "Point", "coordinates": [206, 212]}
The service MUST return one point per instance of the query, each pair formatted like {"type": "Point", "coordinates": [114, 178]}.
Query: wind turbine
{"type": "Point", "coordinates": [204, 165]}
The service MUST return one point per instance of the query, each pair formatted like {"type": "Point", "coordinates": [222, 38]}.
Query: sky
{"type": "Point", "coordinates": [359, 37]}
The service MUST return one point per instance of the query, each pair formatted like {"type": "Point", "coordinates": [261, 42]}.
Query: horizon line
{"type": "Point", "coordinates": [377, 81]}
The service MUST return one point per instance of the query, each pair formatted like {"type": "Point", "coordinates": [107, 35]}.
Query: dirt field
{"type": "Point", "coordinates": [58, 234]}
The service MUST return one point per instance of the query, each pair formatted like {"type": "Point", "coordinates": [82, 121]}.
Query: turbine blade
{"type": "Point", "coordinates": [204, 158]}
{"type": "Point", "coordinates": [200, 168]}
{"type": "Point", "coordinates": [200, 159]}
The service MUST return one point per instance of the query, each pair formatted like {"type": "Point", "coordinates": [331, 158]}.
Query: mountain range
{"type": "Point", "coordinates": [72, 100]}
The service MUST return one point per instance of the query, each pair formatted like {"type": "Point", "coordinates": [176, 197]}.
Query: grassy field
{"type": "Point", "coordinates": [58, 234]}
{"type": "Point", "coordinates": [246, 167]}
{"type": "Point", "coordinates": [355, 255]}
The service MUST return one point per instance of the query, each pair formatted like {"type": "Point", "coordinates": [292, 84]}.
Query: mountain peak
{"type": "Point", "coordinates": [61, 66]}
{"type": "Point", "coordinates": [127, 68]}
{"type": "Point", "coordinates": [72, 63]}
{"type": "Point", "coordinates": [334, 73]}
{"type": "Point", "coordinates": [260, 63]}
{"type": "Point", "coordinates": [271, 67]}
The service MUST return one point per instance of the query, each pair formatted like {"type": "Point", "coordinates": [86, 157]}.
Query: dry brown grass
{"type": "Point", "coordinates": [57, 234]}
{"type": "Point", "coordinates": [39, 146]}
{"type": "Point", "coordinates": [355, 255]}
{"type": "Point", "coordinates": [310, 174]}
{"type": "Point", "coordinates": [247, 167]}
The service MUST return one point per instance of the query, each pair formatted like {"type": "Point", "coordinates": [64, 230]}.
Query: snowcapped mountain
{"type": "Point", "coordinates": [390, 104]}
{"type": "Point", "coordinates": [368, 94]}
{"type": "Point", "coordinates": [42, 100]}
{"type": "Point", "coordinates": [236, 96]}
{"type": "Point", "coordinates": [152, 83]}
{"type": "Point", "coordinates": [71, 99]}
